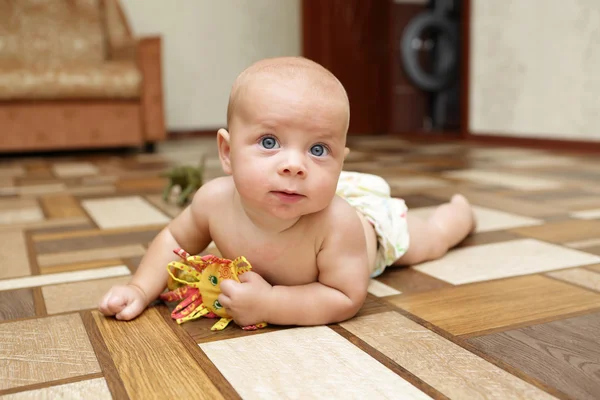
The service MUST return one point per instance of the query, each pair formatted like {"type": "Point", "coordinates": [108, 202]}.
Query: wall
{"type": "Point", "coordinates": [207, 43]}
{"type": "Point", "coordinates": [535, 68]}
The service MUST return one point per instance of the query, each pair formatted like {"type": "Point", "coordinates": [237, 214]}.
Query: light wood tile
{"type": "Point", "coordinates": [380, 289]}
{"type": "Point", "coordinates": [44, 350]}
{"type": "Point", "coordinates": [579, 276]}
{"type": "Point", "coordinates": [63, 277]}
{"type": "Point", "coordinates": [68, 257]}
{"type": "Point", "coordinates": [150, 360]}
{"type": "Point", "coordinates": [76, 390]}
{"type": "Point", "coordinates": [450, 369]}
{"type": "Point", "coordinates": [303, 356]}
{"type": "Point", "coordinates": [587, 214]}
{"type": "Point", "coordinates": [119, 212]}
{"type": "Point", "coordinates": [562, 231]}
{"type": "Point", "coordinates": [564, 354]}
{"type": "Point", "coordinates": [505, 259]}
{"type": "Point", "coordinates": [78, 295]}
{"type": "Point", "coordinates": [23, 215]}
{"type": "Point", "coordinates": [16, 304]}
{"type": "Point", "coordinates": [35, 190]}
{"type": "Point", "coordinates": [477, 308]}
{"type": "Point", "coordinates": [13, 253]}
{"type": "Point", "coordinates": [74, 169]}
{"type": "Point", "coordinates": [61, 205]}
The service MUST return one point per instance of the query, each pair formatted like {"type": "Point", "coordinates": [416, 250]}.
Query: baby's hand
{"type": "Point", "coordinates": [124, 302]}
{"type": "Point", "coordinates": [247, 302]}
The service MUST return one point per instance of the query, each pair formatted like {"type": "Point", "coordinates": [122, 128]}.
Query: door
{"type": "Point", "coordinates": [351, 39]}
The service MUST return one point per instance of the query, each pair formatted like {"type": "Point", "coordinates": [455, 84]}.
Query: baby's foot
{"type": "Point", "coordinates": [464, 207]}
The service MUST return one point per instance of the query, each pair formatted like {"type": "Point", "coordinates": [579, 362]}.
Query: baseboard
{"type": "Point", "coordinates": [191, 133]}
{"type": "Point", "coordinates": [539, 143]}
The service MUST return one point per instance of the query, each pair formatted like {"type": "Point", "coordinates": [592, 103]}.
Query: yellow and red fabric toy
{"type": "Point", "coordinates": [196, 281]}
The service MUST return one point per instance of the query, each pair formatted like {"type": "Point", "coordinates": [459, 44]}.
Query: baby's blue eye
{"type": "Point", "coordinates": [318, 150]}
{"type": "Point", "coordinates": [269, 142]}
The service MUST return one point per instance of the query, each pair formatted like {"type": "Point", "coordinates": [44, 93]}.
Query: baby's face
{"type": "Point", "coordinates": [287, 147]}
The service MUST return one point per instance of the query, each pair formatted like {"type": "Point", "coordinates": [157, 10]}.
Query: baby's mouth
{"type": "Point", "coordinates": [288, 196]}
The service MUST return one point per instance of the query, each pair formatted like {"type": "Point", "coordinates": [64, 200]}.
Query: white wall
{"type": "Point", "coordinates": [207, 43]}
{"type": "Point", "coordinates": [535, 68]}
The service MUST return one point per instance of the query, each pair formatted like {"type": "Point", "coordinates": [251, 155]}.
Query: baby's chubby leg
{"type": "Point", "coordinates": [432, 238]}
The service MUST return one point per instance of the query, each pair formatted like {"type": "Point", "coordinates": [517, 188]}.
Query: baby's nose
{"type": "Point", "coordinates": [293, 166]}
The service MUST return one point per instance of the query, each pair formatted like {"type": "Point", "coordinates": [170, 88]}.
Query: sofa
{"type": "Point", "coordinates": [72, 76]}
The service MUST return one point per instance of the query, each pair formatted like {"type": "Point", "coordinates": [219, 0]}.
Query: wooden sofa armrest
{"type": "Point", "coordinates": [149, 60]}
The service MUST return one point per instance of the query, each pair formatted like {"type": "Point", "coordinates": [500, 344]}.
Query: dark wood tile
{"type": "Point", "coordinates": [99, 240]}
{"type": "Point", "coordinates": [562, 231]}
{"type": "Point", "coordinates": [16, 304]}
{"type": "Point", "coordinates": [109, 370]}
{"type": "Point", "coordinates": [564, 354]}
{"type": "Point", "coordinates": [478, 239]}
{"type": "Point", "coordinates": [408, 280]}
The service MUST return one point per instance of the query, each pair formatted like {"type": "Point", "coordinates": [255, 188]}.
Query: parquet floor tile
{"type": "Point", "coordinates": [151, 362]}
{"type": "Point", "coordinates": [474, 309]}
{"type": "Point", "coordinates": [562, 231]}
{"type": "Point", "coordinates": [97, 388]}
{"type": "Point", "coordinates": [565, 353]}
{"type": "Point", "coordinates": [44, 350]}
{"type": "Point", "coordinates": [450, 369]}
{"type": "Point", "coordinates": [502, 260]}
{"type": "Point", "coordinates": [511, 312]}
{"type": "Point", "coordinates": [579, 276]}
{"type": "Point", "coordinates": [13, 253]}
{"type": "Point", "coordinates": [16, 304]}
{"type": "Point", "coordinates": [303, 357]}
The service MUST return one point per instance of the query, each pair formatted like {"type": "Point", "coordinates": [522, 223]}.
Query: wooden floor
{"type": "Point", "coordinates": [513, 312]}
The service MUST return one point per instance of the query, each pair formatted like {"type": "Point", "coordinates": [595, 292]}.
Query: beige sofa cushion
{"type": "Point", "coordinates": [51, 32]}
{"type": "Point", "coordinates": [110, 80]}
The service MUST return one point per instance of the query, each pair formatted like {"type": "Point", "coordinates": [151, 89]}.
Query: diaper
{"type": "Point", "coordinates": [370, 195]}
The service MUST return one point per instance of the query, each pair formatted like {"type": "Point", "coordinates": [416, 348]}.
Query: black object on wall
{"type": "Point", "coordinates": [430, 54]}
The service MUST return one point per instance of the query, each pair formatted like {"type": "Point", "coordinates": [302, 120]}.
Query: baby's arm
{"type": "Point", "coordinates": [189, 230]}
{"type": "Point", "coordinates": [343, 278]}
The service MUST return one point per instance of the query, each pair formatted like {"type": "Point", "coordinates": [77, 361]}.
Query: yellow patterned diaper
{"type": "Point", "coordinates": [370, 195]}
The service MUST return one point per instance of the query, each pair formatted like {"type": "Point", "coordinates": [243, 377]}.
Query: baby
{"type": "Point", "coordinates": [313, 234]}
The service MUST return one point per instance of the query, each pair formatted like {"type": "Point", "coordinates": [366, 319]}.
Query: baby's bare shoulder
{"type": "Point", "coordinates": [339, 214]}
{"type": "Point", "coordinates": [212, 194]}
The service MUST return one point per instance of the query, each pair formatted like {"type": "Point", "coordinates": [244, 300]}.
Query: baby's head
{"type": "Point", "coordinates": [287, 119]}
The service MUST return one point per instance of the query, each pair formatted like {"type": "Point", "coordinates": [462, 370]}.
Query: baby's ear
{"type": "Point", "coordinates": [346, 152]}
{"type": "Point", "coordinates": [224, 150]}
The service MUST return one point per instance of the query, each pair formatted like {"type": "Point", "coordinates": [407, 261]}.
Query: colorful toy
{"type": "Point", "coordinates": [187, 178]}
{"type": "Point", "coordinates": [196, 281]}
